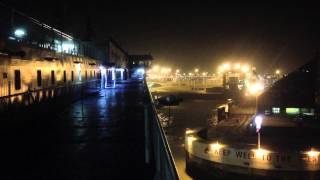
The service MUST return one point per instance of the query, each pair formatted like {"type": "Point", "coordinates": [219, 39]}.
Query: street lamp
{"type": "Point", "coordinates": [255, 89]}
{"type": "Point", "coordinates": [277, 71]}
{"type": "Point", "coordinates": [155, 68]}
{"type": "Point", "coordinates": [258, 121]}
{"type": "Point", "coordinates": [245, 68]}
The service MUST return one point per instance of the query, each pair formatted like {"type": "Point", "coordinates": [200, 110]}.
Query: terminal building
{"type": "Point", "coordinates": [296, 94]}
{"type": "Point", "coordinates": [36, 57]}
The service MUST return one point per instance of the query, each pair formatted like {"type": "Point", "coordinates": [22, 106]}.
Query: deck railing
{"type": "Point", "coordinates": [157, 148]}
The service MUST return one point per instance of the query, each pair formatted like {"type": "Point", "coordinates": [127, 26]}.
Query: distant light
{"type": "Point", "coordinates": [178, 71]}
{"type": "Point", "coordinates": [155, 68]}
{"type": "Point", "coordinates": [140, 70]}
{"type": "Point", "coordinates": [19, 33]}
{"type": "Point", "coordinates": [237, 66]}
{"type": "Point", "coordinates": [313, 154]}
{"type": "Point", "coordinates": [226, 67]}
{"type": "Point", "coordinates": [102, 68]}
{"type": "Point", "coordinates": [256, 88]}
{"type": "Point", "coordinates": [196, 70]}
{"type": "Point", "coordinates": [258, 121]}
{"type": "Point", "coordinates": [189, 131]}
{"type": "Point", "coordinates": [277, 71]}
{"type": "Point", "coordinates": [245, 68]}
{"type": "Point", "coordinates": [120, 69]}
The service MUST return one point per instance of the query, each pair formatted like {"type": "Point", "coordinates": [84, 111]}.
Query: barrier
{"type": "Point", "coordinates": [157, 147]}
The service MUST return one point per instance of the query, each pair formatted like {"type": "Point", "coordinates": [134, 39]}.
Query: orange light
{"type": "Point", "coordinates": [313, 153]}
{"type": "Point", "coordinates": [216, 146]}
{"type": "Point", "coordinates": [259, 153]}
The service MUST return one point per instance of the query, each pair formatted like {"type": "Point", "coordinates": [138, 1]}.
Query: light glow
{"type": "Point", "coordinates": [226, 67]}
{"type": "Point", "coordinates": [190, 139]}
{"type": "Point", "coordinates": [189, 131]}
{"type": "Point", "coordinates": [258, 121]}
{"type": "Point", "coordinates": [216, 146]}
{"type": "Point", "coordinates": [245, 68]}
{"type": "Point", "coordinates": [255, 88]}
{"type": "Point", "coordinates": [260, 153]}
{"type": "Point", "coordinates": [155, 68]}
{"type": "Point", "coordinates": [313, 154]}
{"type": "Point", "coordinates": [19, 33]}
{"type": "Point", "coordinates": [237, 66]}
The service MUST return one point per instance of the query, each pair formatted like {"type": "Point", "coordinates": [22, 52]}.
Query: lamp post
{"type": "Point", "coordinates": [258, 121]}
{"type": "Point", "coordinates": [255, 89]}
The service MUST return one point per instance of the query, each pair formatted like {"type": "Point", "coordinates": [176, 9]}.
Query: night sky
{"type": "Point", "coordinates": [193, 34]}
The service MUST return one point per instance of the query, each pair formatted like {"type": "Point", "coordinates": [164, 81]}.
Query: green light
{"type": "Point", "coordinates": [292, 111]}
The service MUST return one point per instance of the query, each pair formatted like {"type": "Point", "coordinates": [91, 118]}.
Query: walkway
{"type": "Point", "coordinates": [100, 137]}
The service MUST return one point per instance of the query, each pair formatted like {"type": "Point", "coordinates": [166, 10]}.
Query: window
{"type": "Point", "coordinates": [5, 75]}
{"type": "Point", "coordinates": [275, 110]}
{"type": "Point", "coordinates": [39, 78]}
{"type": "Point", "coordinates": [52, 78]}
{"type": "Point", "coordinates": [72, 76]}
{"type": "Point", "coordinates": [17, 80]}
{"type": "Point", "coordinates": [292, 111]}
{"type": "Point", "coordinates": [64, 76]}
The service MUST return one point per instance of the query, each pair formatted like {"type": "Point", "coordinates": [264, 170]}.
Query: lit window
{"type": "Point", "coordinates": [292, 111]}
{"type": "Point", "coordinates": [275, 110]}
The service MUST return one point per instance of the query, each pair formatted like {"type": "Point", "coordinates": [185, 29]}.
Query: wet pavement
{"type": "Point", "coordinates": [99, 137]}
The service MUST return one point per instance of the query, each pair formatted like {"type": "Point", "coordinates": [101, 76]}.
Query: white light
{"type": "Point", "coordinates": [155, 68]}
{"type": "Point", "coordinates": [140, 70]}
{"type": "Point", "coordinates": [258, 122]}
{"type": "Point", "coordinates": [226, 66]}
{"type": "Point", "coordinates": [19, 33]}
{"type": "Point", "coordinates": [120, 69]}
{"type": "Point", "coordinates": [245, 68]}
{"type": "Point", "coordinates": [68, 46]}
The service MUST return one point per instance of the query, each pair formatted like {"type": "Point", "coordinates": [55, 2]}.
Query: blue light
{"type": "Point", "coordinates": [19, 33]}
{"type": "Point", "coordinates": [140, 70]}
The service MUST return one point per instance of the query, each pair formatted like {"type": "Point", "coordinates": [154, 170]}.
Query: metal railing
{"type": "Point", "coordinates": [32, 97]}
{"type": "Point", "coordinates": [39, 35]}
{"type": "Point", "coordinates": [157, 149]}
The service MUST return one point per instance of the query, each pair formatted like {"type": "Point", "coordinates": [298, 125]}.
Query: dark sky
{"type": "Point", "coordinates": [190, 34]}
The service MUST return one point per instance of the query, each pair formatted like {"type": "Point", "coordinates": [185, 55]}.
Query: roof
{"type": "Point", "coordinates": [143, 57]}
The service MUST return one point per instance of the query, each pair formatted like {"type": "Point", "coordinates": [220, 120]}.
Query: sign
{"type": "Point", "coordinates": [258, 159]}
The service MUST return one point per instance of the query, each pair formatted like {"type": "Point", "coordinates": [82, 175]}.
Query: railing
{"type": "Point", "coordinates": [157, 144]}
{"type": "Point", "coordinates": [69, 91]}
{"type": "Point", "coordinates": [40, 35]}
